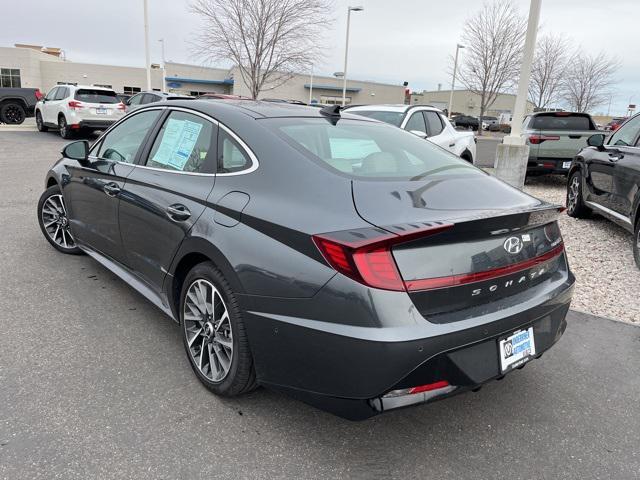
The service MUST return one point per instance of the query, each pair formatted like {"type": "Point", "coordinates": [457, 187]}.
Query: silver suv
{"type": "Point", "coordinates": [71, 108]}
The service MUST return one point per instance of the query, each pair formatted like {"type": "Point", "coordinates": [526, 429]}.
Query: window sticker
{"type": "Point", "coordinates": [178, 141]}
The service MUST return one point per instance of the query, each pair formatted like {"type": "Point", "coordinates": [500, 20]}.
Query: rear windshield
{"type": "Point", "coordinates": [562, 122]}
{"type": "Point", "coordinates": [392, 118]}
{"type": "Point", "coordinates": [366, 149]}
{"type": "Point", "coordinates": [96, 96]}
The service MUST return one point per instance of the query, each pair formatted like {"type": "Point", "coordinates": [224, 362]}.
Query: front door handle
{"type": "Point", "coordinates": [614, 158]}
{"type": "Point", "coordinates": [112, 189]}
{"type": "Point", "coordinates": [178, 212]}
{"type": "Point", "coordinates": [452, 144]}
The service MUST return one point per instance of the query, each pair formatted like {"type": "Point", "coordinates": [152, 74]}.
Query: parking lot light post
{"type": "Point", "coordinates": [346, 53]}
{"type": "Point", "coordinates": [453, 80]}
{"type": "Point", "coordinates": [164, 68]}
{"type": "Point", "coordinates": [513, 154]}
{"type": "Point", "coordinates": [146, 44]}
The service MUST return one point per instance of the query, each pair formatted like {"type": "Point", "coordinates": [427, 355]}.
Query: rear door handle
{"type": "Point", "coordinates": [178, 212]}
{"type": "Point", "coordinates": [452, 144]}
{"type": "Point", "coordinates": [112, 189]}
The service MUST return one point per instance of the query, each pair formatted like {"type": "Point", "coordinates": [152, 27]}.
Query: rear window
{"type": "Point", "coordinates": [562, 122]}
{"type": "Point", "coordinates": [89, 95]}
{"type": "Point", "coordinates": [392, 118]}
{"type": "Point", "coordinates": [364, 149]}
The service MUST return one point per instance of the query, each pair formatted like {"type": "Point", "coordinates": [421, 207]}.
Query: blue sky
{"type": "Point", "coordinates": [392, 42]}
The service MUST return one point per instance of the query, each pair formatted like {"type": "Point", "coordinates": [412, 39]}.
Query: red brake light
{"type": "Point", "coordinates": [429, 387]}
{"type": "Point", "coordinates": [538, 139]}
{"type": "Point", "coordinates": [122, 106]}
{"type": "Point", "coordinates": [369, 260]}
{"type": "Point", "coordinates": [38, 94]}
{"type": "Point", "coordinates": [74, 104]}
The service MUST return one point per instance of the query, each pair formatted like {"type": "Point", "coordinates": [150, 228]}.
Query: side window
{"type": "Point", "coordinates": [434, 124]}
{"type": "Point", "coordinates": [148, 98]}
{"type": "Point", "coordinates": [416, 123]}
{"type": "Point", "coordinates": [231, 156]}
{"type": "Point", "coordinates": [122, 143]}
{"type": "Point", "coordinates": [62, 93]}
{"type": "Point", "coordinates": [135, 100]}
{"type": "Point", "coordinates": [185, 143]}
{"type": "Point", "coordinates": [627, 133]}
{"type": "Point", "coordinates": [52, 93]}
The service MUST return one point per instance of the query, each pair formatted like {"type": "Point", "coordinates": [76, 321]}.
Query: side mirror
{"type": "Point", "coordinates": [77, 150]}
{"type": "Point", "coordinates": [596, 140]}
{"type": "Point", "coordinates": [418, 133]}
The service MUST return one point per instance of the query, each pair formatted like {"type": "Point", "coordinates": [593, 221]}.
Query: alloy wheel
{"type": "Point", "coordinates": [574, 193]}
{"type": "Point", "coordinates": [14, 114]}
{"type": "Point", "coordinates": [56, 222]}
{"type": "Point", "coordinates": [62, 125]}
{"type": "Point", "coordinates": [208, 330]}
{"type": "Point", "coordinates": [39, 121]}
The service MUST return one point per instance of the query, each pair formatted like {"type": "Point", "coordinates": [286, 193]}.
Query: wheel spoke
{"type": "Point", "coordinates": [195, 336]}
{"type": "Point", "coordinates": [225, 342]}
{"type": "Point", "coordinates": [204, 342]}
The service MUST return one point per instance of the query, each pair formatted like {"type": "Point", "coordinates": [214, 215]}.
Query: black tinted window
{"type": "Point", "coordinates": [561, 122]}
{"type": "Point", "coordinates": [149, 98]}
{"type": "Point", "coordinates": [393, 118]}
{"type": "Point", "coordinates": [96, 96]}
{"type": "Point", "coordinates": [122, 143]}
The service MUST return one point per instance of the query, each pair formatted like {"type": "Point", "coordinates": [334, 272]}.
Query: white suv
{"type": "Point", "coordinates": [426, 122]}
{"type": "Point", "coordinates": [71, 108]}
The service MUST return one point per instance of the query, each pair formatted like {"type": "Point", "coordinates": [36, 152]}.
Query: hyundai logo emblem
{"type": "Point", "coordinates": [513, 245]}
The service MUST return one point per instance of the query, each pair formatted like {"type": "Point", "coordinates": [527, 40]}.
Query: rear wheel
{"type": "Point", "coordinates": [214, 334]}
{"type": "Point", "coordinates": [63, 128]}
{"type": "Point", "coordinates": [12, 113]}
{"type": "Point", "coordinates": [636, 244]}
{"type": "Point", "coordinates": [40, 123]}
{"type": "Point", "coordinates": [575, 204]}
{"type": "Point", "coordinates": [54, 222]}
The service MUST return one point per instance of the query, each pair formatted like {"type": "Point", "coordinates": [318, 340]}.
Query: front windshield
{"type": "Point", "coordinates": [368, 149]}
{"type": "Point", "coordinates": [392, 118]}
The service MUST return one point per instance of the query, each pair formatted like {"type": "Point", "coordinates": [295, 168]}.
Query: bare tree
{"type": "Point", "coordinates": [548, 70]}
{"type": "Point", "coordinates": [494, 39]}
{"type": "Point", "coordinates": [587, 80]}
{"type": "Point", "coordinates": [268, 40]}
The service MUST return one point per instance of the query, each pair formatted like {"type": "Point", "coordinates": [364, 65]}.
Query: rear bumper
{"type": "Point", "coordinates": [347, 370]}
{"type": "Point", "coordinates": [549, 165]}
{"type": "Point", "coordinates": [96, 124]}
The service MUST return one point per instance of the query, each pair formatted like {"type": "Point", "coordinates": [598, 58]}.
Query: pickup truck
{"type": "Point", "coordinates": [16, 104]}
{"type": "Point", "coordinates": [554, 138]}
{"type": "Point", "coordinates": [424, 121]}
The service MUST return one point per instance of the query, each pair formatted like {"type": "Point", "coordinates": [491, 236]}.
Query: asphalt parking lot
{"type": "Point", "coordinates": [95, 384]}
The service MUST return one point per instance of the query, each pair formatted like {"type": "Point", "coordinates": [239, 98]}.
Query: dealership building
{"type": "Point", "coordinates": [40, 67]}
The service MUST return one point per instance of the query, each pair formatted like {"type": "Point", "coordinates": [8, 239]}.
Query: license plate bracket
{"type": "Point", "coordinates": [566, 165]}
{"type": "Point", "coordinates": [101, 111]}
{"type": "Point", "coordinates": [516, 349]}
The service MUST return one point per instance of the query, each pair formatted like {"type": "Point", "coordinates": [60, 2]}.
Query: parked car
{"type": "Point", "coordinates": [554, 138]}
{"type": "Point", "coordinates": [488, 122]}
{"type": "Point", "coordinates": [72, 108]}
{"type": "Point", "coordinates": [336, 258]}
{"type": "Point", "coordinates": [16, 104]}
{"type": "Point", "coordinates": [605, 178]}
{"type": "Point", "coordinates": [221, 96]}
{"type": "Point", "coordinates": [615, 123]}
{"type": "Point", "coordinates": [424, 121]}
{"type": "Point", "coordinates": [143, 98]}
{"type": "Point", "coordinates": [466, 121]}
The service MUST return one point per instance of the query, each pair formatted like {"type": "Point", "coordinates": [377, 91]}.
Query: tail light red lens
{"type": "Point", "coordinates": [369, 260]}
{"type": "Point", "coordinates": [538, 139]}
{"type": "Point", "coordinates": [75, 105]}
{"type": "Point", "coordinates": [38, 94]}
{"type": "Point", "coordinates": [122, 106]}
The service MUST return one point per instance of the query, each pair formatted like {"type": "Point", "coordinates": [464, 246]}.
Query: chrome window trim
{"type": "Point", "coordinates": [254, 160]}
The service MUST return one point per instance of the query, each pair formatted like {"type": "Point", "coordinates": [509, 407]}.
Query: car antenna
{"type": "Point", "coordinates": [332, 112]}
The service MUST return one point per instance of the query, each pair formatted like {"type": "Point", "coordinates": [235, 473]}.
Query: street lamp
{"type": "Point", "coordinates": [346, 53]}
{"type": "Point", "coordinates": [453, 80]}
{"type": "Point", "coordinates": [146, 45]}
{"type": "Point", "coordinates": [164, 68]}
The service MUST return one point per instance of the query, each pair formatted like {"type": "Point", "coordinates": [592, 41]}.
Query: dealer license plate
{"type": "Point", "coordinates": [516, 349]}
{"type": "Point", "coordinates": [566, 165]}
{"type": "Point", "coordinates": [101, 111]}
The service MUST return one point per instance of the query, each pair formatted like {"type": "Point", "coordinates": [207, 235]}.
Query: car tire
{"type": "Point", "coordinates": [12, 113]}
{"type": "Point", "coordinates": [40, 123]}
{"type": "Point", "coordinates": [215, 339]}
{"type": "Point", "coordinates": [636, 244]}
{"type": "Point", "coordinates": [54, 222]}
{"type": "Point", "coordinates": [63, 128]}
{"type": "Point", "coordinates": [574, 202]}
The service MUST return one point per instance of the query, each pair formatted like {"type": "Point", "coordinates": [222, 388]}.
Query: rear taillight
{"type": "Point", "coordinates": [122, 106]}
{"type": "Point", "coordinates": [538, 139]}
{"type": "Point", "coordinates": [75, 105]}
{"type": "Point", "coordinates": [430, 387]}
{"type": "Point", "coordinates": [365, 255]}
{"type": "Point", "coordinates": [38, 94]}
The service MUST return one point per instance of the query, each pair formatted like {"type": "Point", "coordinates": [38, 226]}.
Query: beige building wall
{"type": "Point", "coordinates": [28, 62]}
{"type": "Point", "coordinates": [467, 102]}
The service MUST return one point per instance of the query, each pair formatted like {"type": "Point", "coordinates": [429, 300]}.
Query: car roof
{"type": "Point", "coordinates": [89, 87]}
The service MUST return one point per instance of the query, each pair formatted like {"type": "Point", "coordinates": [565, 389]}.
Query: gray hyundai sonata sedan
{"type": "Point", "coordinates": [338, 259]}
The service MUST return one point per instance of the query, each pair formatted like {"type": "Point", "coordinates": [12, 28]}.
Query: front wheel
{"type": "Point", "coordinates": [63, 128]}
{"type": "Point", "coordinates": [54, 222]}
{"type": "Point", "coordinates": [40, 123]}
{"type": "Point", "coordinates": [12, 113]}
{"type": "Point", "coordinates": [214, 334]}
{"type": "Point", "coordinates": [575, 204]}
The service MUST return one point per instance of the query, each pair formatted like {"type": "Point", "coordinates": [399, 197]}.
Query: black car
{"type": "Point", "coordinates": [16, 104]}
{"type": "Point", "coordinates": [466, 121]}
{"type": "Point", "coordinates": [330, 256]}
{"type": "Point", "coordinates": [605, 178]}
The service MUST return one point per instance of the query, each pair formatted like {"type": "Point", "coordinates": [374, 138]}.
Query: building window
{"type": "Point", "coordinates": [197, 94]}
{"type": "Point", "coordinates": [103, 86]}
{"type": "Point", "coordinates": [10, 77]}
{"type": "Point", "coordinates": [67, 83]}
{"type": "Point", "coordinates": [334, 100]}
{"type": "Point", "coordinates": [131, 90]}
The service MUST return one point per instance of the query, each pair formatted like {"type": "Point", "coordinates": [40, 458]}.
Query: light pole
{"type": "Point", "coordinates": [346, 53]}
{"type": "Point", "coordinates": [146, 45]}
{"type": "Point", "coordinates": [453, 80]}
{"type": "Point", "coordinates": [164, 68]}
{"type": "Point", "coordinates": [311, 86]}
